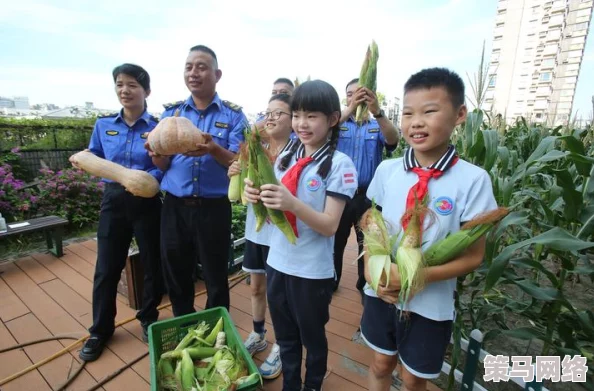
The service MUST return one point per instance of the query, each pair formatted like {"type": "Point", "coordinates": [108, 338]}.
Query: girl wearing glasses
{"type": "Point", "coordinates": [277, 125]}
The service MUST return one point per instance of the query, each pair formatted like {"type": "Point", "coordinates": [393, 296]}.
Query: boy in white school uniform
{"type": "Point", "coordinates": [457, 191]}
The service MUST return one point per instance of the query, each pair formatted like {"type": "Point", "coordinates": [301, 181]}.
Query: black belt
{"type": "Point", "coordinates": [197, 201]}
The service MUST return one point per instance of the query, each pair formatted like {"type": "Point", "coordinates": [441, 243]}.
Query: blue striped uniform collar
{"type": "Point", "coordinates": [442, 164]}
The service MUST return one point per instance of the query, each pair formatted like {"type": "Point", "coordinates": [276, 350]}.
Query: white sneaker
{"type": "Point", "coordinates": [255, 343]}
{"type": "Point", "coordinates": [272, 367]}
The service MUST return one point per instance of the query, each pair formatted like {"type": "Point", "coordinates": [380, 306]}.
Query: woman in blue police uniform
{"type": "Point", "coordinates": [120, 137]}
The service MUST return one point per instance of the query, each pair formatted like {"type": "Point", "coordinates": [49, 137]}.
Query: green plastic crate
{"type": "Point", "coordinates": [166, 334]}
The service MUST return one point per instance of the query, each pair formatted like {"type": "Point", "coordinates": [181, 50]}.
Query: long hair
{"type": "Point", "coordinates": [316, 96]}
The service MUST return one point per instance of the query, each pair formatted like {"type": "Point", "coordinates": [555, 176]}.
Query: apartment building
{"type": "Point", "coordinates": [537, 53]}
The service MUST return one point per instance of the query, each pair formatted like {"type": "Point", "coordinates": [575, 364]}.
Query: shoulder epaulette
{"type": "Point", "coordinates": [232, 105]}
{"type": "Point", "coordinates": [173, 104]}
{"type": "Point", "coordinates": [156, 119]}
{"type": "Point", "coordinates": [114, 114]}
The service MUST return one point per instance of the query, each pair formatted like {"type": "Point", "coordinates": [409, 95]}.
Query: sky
{"type": "Point", "coordinates": [63, 52]}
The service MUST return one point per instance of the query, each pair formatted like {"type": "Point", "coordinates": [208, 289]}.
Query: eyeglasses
{"type": "Point", "coordinates": [274, 115]}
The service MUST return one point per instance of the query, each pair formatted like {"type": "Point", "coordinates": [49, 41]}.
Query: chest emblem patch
{"type": "Point", "coordinates": [444, 206]}
{"type": "Point", "coordinates": [313, 183]}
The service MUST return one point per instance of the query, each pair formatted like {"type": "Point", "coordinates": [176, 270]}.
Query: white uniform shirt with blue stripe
{"type": "Point", "coordinates": [460, 194]}
{"type": "Point", "coordinates": [311, 256]}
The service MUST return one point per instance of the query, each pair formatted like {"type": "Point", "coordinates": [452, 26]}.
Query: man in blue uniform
{"type": "Point", "coordinates": [364, 144]}
{"type": "Point", "coordinates": [196, 216]}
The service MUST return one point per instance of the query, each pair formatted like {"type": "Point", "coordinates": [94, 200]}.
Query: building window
{"type": "Point", "coordinates": [548, 62]}
{"type": "Point", "coordinates": [492, 80]}
{"type": "Point", "coordinates": [545, 76]}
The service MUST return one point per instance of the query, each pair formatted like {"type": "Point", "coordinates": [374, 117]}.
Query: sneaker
{"type": "Point", "coordinates": [145, 327]}
{"type": "Point", "coordinates": [272, 367]}
{"type": "Point", "coordinates": [255, 343]}
{"type": "Point", "coordinates": [92, 349]}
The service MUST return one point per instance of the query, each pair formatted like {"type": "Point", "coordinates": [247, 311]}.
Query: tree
{"type": "Point", "coordinates": [381, 98]}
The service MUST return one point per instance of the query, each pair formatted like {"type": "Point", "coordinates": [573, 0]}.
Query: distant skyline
{"type": "Point", "coordinates": [63, 52]}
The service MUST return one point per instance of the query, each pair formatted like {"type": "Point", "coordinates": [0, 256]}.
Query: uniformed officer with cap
{"type": "Point", "coordinates": [196, 215]}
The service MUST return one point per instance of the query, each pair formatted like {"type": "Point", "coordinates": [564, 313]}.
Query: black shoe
{"type": "Point", "coordinates": [92, 349]}
{"type": "Point", "coordinates": [145, 327]}
{"type": "Point", "coordinates": [309, 389]}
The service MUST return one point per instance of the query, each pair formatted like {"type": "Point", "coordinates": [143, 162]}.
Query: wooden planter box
{"type": "Point", "coordinates": [132, 280]}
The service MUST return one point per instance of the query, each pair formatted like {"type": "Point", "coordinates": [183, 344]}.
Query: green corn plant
{"type": "Point", "coordinates": [543, 249]}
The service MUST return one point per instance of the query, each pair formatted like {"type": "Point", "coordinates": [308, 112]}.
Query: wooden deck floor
{"type": "Point", "coordinates": [41, 296]}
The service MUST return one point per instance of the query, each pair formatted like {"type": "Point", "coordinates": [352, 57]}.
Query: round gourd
{"type": "Point", "coordinates": [138, 182]}
{"type": "Point", "coordinates": [176, 135]}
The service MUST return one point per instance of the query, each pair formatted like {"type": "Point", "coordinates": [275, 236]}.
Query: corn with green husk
{"type": "Point", "coordinates": [193, 334]}
{"type": "Point", "coordinates": [261, 172]}
{"type": "Point", "coordinates": [252, 174]}
{"type": "Point", "coordinates": [236, 183]}
{"type": "Point", "coordinates": [201, 367]}
{"type": "Point", "coordinates": [409, 256]}
{"type": "Point", "coordinates": [454, 244]}
{"type": "Point", "coordinates": [368, 78]}
{"type": "Point", "coordinates": [379, 245]}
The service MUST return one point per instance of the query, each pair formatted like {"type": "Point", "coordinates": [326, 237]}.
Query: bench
{"type": "Point", "coordinates": [51, 225]}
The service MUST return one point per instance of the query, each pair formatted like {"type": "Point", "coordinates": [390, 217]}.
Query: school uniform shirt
{"type": "Point", "coordinates": [364, 144]}
{"type": "Point", "coordinates": [262, 237]}
{"type": "Point", "coordinates": [203, 176]}
{"type": "Point", "coordinates": [311, 256]}
{"type": "Point", "coordinates": [460, 194]}
{"type": "Point", "coordinates": [114, 140]}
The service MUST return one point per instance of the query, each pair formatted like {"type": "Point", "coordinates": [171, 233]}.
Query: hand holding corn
{"type": "Point", "coordinates": [234, 169]}
{"type": "Point", "coordinates": [252, 194]}
{"type": "Point", "coordinates": [277, 197]}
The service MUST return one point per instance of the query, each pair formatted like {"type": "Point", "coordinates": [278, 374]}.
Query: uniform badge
{"type": "Point", "coordinates": [221, 125]}
{"type": "Point", "coordinates": [344, 128]}
{"type": "Point", "coordinates": [374, 130]}
{"type": "Point", "coordinates": [313, 183]}
{"type": "Point", "coordinates": [112, 132]}
{"type": "Point", "coordinates": [444, 206]}
{"type": "Point", "coordinates": [348, 179]}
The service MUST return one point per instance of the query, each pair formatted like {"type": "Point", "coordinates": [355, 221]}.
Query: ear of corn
{"type": "Point", "coordinates": [234, 192]}
{"type": "Point", "coordinates": [379, 245]}
{"type": "Point", "coordinates": [456, 243]}
{"type": "Point", "coordinates": [368, 78]}
{"type": "Point", "coordinates": [409, 256]}
{"type": "Point", "coordinates": [187, 371]}
{"type": "Point", "coordinates": [261, 172]}
{"type": "Point", "coordinates": [277, 217]}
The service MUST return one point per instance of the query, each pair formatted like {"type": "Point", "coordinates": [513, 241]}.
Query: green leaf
{"type": "Point", "coordinates": [551, 156]}
{"type": "Point", "coordinates": [539, 293]}
{"type": "Point", "coordinates": [531, 264]}
{"type": "Point", "coordinates": [555, 238]}
{"type": "Point", "coordinates": [573, 198]}
{"type": "Point", "coordinates": [514, 218]}
{"type": "Point", "coordinates": [576, 146]}
{"type": "Point", "coordinates": [504, 158]}
{"type": "Point", "coordinates": [490, 140]}
{"type": "Point", "coordinates": [544, 146]}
